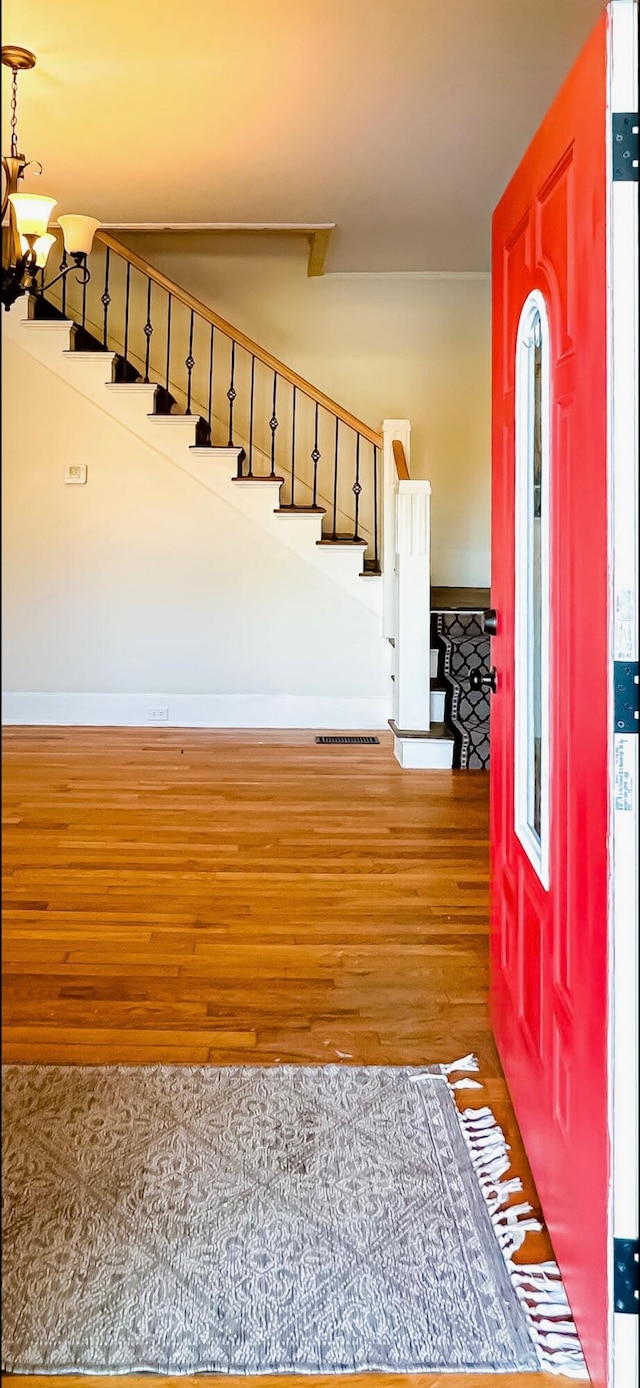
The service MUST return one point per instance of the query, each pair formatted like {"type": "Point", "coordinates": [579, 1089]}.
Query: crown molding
{"type": "Point", "coordinates": [408, 275]}
{"type": "Point", "coordinates": [318, 235]}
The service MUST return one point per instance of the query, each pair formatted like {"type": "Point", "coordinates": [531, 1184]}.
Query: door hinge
{"type": "Point", "coordinates": [625, 680]}
{"type": "Point", "coordinates": [624, 144]}
{"type": "Point", "coordinates": [626, 1293]}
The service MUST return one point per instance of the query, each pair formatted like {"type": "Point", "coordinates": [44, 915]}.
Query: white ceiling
{"type": "Point", "coordinates": [400, 120]}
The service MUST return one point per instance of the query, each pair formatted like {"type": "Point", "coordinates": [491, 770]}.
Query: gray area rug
{"type": "Point", "coordinates": [248, 1220]}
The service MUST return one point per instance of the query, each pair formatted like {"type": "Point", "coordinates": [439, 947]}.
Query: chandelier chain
{"type": "Point", "coordinates": [14, 113]}
{"type": "Point", "coordinates": [24, 269]}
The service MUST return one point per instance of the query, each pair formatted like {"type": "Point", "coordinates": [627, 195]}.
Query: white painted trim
{"type": "Point", "coordinates": [623, 432]}
{"type": "Point", "coordinates": [391, 429]}
{"type": "Point", "coordinates": [407, 275]}
{"type": "Point", "coordinates": [537, 850]}
{"type": "Point", "coordinates": [196, 710]}
{"type": "Point", "coordinates": [437, 703]}
{"type": "Point", "coordinates": [423, 753]}
{"type": "Point", "coordinates": [412, 663]}
{"type": "Point", "coordinates": [302, 227]}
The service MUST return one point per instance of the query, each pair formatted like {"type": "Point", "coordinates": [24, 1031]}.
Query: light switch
{"type": "Point", "coordinates": [76, 472]}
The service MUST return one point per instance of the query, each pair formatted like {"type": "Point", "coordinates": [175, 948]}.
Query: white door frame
{"type": "Point", "coordinates": [622, 355]}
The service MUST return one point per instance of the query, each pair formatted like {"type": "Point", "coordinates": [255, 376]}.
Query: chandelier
{"type": "Point", "coordinates": [29, 239]}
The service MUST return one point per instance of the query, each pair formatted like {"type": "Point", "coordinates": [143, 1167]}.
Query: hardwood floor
{"type": "Point", "coordinates": [188, 896]}
{"type": "Point", "coordinates": [460, 599]}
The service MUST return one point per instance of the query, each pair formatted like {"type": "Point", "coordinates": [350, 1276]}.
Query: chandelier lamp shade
{"type": "Point", "coordinates": [28, 238]}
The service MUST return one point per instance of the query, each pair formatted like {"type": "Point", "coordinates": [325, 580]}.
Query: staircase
{"type": "Point", "coordinates": [325, 461]}
{"type": "Point", "coordinates": [318, 482]}
{"type": "Point", "coordinates": [462, 648]}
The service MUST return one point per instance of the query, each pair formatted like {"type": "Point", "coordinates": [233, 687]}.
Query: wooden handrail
{"type": "Point", "coordinates": [184, 297]}
{"type": "Point", "coordinates": [400, 458]}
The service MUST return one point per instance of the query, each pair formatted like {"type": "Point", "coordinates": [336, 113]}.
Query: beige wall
{"type": "Point", "coordinates": [142, 589]}
{"type": "Point", "coordinates": [395, 347]}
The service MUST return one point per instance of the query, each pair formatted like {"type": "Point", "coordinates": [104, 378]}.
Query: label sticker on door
{"type": "Point", "coordinates": [623, 753]}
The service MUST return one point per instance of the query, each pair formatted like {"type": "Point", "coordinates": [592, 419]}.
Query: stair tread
{"type": "Point", "coordinates": [300, 510]}
{"type": "Point", "coordinates": [88, 356]}
{"type": "Point", "coordinates": [175, 418]}
{"type": "Point", "coordinates": [477, 730]}
{"type": "Point", "coordinates": [462, 638]}
{"type": "Point", "coordinates": [445, 598]}
{"type": "Point", "coordinates": [47, 323]}
{"type": "Point", "coordinates": [438, 732]}
{"type": "Point", "coordinates": [128, 386]}
{"type": "Point", "coordinates": [472, 720]}
{"type": "Point", "coordinates": [255, 478]}
{"type": "Point", "coordinates": [210, 448]}
{"type": "Point", "coordinates": [341, 540]}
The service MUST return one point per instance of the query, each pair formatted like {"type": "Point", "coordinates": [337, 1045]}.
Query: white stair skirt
{"type": "Point", "coordinates": [432, 751]}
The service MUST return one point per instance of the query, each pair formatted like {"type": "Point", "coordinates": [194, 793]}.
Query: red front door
{"type": "Point", "coordinates": [549, 756]}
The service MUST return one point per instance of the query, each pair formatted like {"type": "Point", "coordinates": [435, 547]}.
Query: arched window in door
{"type": "Point", "coordinates": [532, 597]}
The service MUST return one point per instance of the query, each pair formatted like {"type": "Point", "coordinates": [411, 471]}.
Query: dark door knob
{"type": "Point", "coordinates": [479, 680]}
{"type": "Point", "coordinates": [490, 621]}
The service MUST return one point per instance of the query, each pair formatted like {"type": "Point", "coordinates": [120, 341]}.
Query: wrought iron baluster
{"type": "Point", "coordinates": [168, 369]}
{"type": "Point", "coordinates": [148, 330]}
{"type": "Point", "coordinates": [105, 301]}
{"type": "Point", "coordinates": [231, 395]}
{"type": "Point", "coordinates": [335, 481]}
{"type": "Point", "coordinates": [316, 456]}
{"type": "Point", "coordinates": [190, 362]}
{"type": "Point", "coordinates": [126, 310]}
{"type": "Point", "coordinates": [63, 266]}
{"type": "Point", "coordinates": [376, 553]}
{"type": "Point", "coordinates": [210, 414]}
{"type": "Point", "coordinates": [273, 424]}
{"type": "Point", "coordinates": [356, 489]}
{"type": "Point", "coordinates": [253, 372]}
{"type": "Point", "coordinates": [293, 447]}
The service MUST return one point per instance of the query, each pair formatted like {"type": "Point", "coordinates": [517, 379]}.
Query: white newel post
{"type": "Point", "coordinates": [412, 687]}
{"type": "Point", "coordinates": [391, 429]}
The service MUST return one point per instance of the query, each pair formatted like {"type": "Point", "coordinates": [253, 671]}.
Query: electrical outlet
{"type": "Point", "coordinates": [158, 715]}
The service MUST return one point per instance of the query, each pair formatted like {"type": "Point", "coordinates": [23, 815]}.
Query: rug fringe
{"type": "Point", "coordinates": [538, 1286]}
{"type": "Point", "coordinates": [467, 1062]}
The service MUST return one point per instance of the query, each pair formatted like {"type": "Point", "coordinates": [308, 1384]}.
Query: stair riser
{"type": "Point", "coordinates": [415, 754]}
{"type": "Point", "coordinates": [437, 705]}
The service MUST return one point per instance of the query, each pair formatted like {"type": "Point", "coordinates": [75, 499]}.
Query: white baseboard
{"type": "Point", "coordinates": [196, 710]}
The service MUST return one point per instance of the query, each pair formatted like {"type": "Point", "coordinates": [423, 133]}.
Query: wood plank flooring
{"type": "Point", "coordinates": [460, 599]}
{"type": "Point", "coordinates": [189, 896]}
